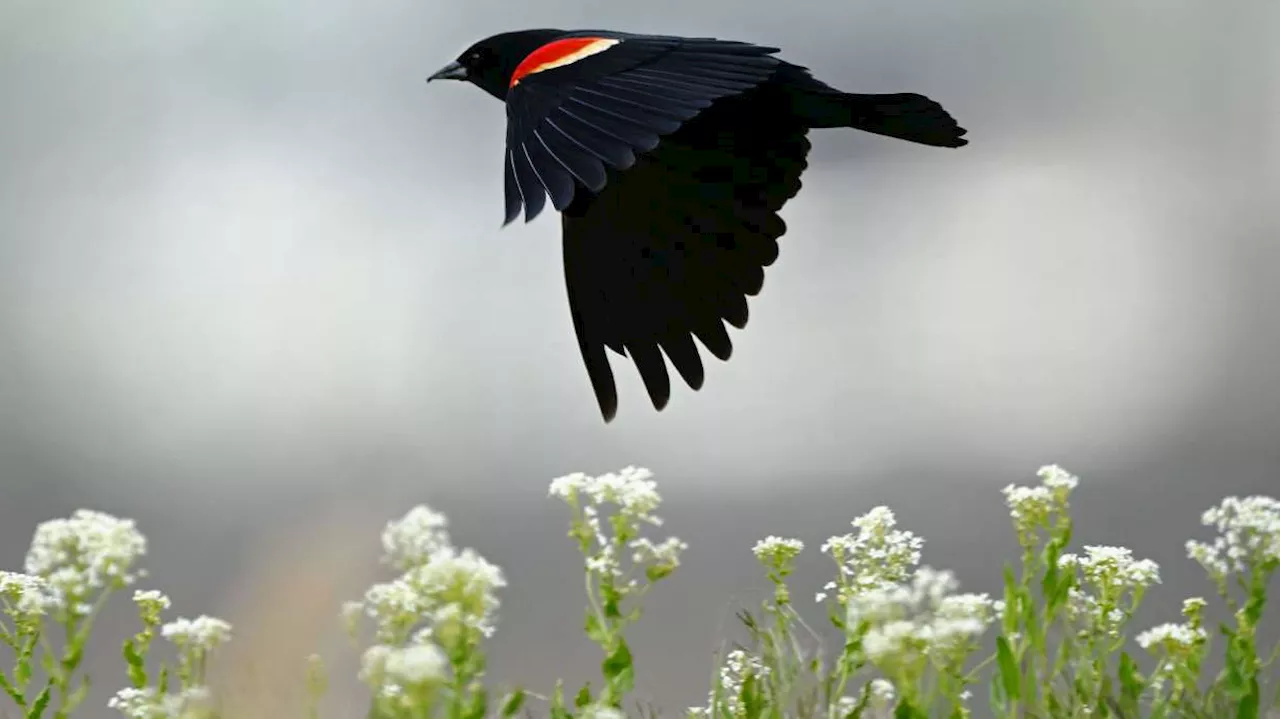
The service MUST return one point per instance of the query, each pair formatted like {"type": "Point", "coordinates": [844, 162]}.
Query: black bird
{"type": "Point", "coordinates": [668, 159]}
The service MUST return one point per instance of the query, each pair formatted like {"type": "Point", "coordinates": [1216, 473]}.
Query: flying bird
{"type": "Point", "coordinates": [668, 159]}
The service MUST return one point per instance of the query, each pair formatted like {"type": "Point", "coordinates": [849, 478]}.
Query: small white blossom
{"type": "Point", "coordinates": [394, 606]}
{"type": "Point", "coordinates": [666, 553]}
{"type": "Point", "coordinates": [777, 551]}
{"type": "Point", "coordinates": [1055, 477]}
{"type": "Point", "coordinates": [1114, 566]}
{"type": "Point", "coordinates": [202, 633]}
{"type": "Point", "coordinates": [905, 621]}
{"type": "Point", "coordinates": [84, 554]}
{"type": "Point", "coordinates": [151, 598]}
{"type": "Point", "coordinates": [410, 541]}
{"type": "Point", "coordinates": [191, 703]}
{"type": "Point", "coordinates": [877, 555]}
{"type": "Point", "coordinates": [1248, 536]}
{"type": "Point", "coordinates": [631, 489]}
{"type": "Point", "coordinates": [459, 586]}
{"type": "Point", "coordinates": [23, 596]}
{"type": "Point", "coordinates": [416, 664]}
{"type": "Point", "coordinates": [882, 693]}
{"type": "Point", "coordinates": [738, 665]}
{"type": "Point", "coordinates": [1172, 637]}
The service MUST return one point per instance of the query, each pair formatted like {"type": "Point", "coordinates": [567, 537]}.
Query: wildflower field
{"type": "Point", "coordinates": [1055, 641]}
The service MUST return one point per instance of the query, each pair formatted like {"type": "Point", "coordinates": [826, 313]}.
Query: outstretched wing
{"type": "Point", "coordinates": [671, 249]}
{"type": "Point", "coordinates": [581, 107]}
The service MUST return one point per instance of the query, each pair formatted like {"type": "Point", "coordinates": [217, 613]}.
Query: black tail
{"type": "Point", "coordinates": [904, 115]}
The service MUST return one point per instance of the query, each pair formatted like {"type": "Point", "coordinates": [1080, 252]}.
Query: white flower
{"type": "Point", "coordinates": [1115, 566]}
{"type": "Point", "coordinates": [667, 553]}
{"type": "Point", "coordinates": [394, 606]}
{"type": "Point", "coordinates": [459, 586]}
{"type": "Point", "coordinates": [147, 704]}
{"type": "Point", "coordinates": [879, 554]}
{"type": "Point", "coordinates": [970, 606]}
{"type": "Point", "coordinates": [152, 597]}
{"type": "Point", "coordinates": [1055, 477]}
{"type": "Point", "coordinates": [203, 633]}
{"type": "Point", "coordinates": [882, 693]}
{"type": "Point", "coordinates": [738, 665]}
{"type": "Point", "coordinates": [84, 554]}
{"type": "Point", "coordinates": [411, 540]}
{"type": "Point", "coordinates": [631, 489]}
{"type": "Point", "coordinates": [1172, 637]}
{"type": "Point", "coordinates": [776, 551]}
{"type": "Point", "coordinates": [892, 639]}
{"type": "Point", "coordinates": [1249, 536]}
{"type": "Point", "coordinates": [1027, 502]}
{"type": "Point", "coordinates": [24, 597]}
{"type": "Point", "coordinates": [905, 621]}
{"type": "Point", "coordinates": [416, 664]}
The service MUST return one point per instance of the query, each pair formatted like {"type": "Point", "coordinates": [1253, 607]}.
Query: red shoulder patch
{"type": "Point", "coordinates": [559, 53]}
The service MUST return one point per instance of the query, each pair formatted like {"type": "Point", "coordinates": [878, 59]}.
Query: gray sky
{"type": "Point", "coordinates": [253, 292]}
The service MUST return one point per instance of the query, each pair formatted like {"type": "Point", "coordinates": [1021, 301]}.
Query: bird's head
{"type": "Point", "coordinates": [490, 63]}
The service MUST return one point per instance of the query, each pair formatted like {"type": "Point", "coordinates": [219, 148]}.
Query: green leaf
{"type": "Point", "coordinates": [136, 663]}
{"type": "Point", "coordinates": [595, 630]}
{"type": "Point", "coordinates": [77, 697]}
{"type": "Point", "coordinates": [512, 703]}
{"type": "Point", "coordinates": [750, 696]}
{"type": "Point", "coordinates": [40, 704]}
{"type": "Point", "coordinates": [658, 572]}
{"type": "Point", "coordinates": [1010, 677]}
{"type": "Point", "coordinates": [618, 669]}
{"type": "Point", "coordinates": [906, 710]}
{"type": "Point", "coordinates": [1131, 684]}
{"type": "Point", "coordinates": [14, 693]}
{"type": "Point", "coordinates": [584, 696]}
{"type": "Point", "coordinates": [1248, 707]}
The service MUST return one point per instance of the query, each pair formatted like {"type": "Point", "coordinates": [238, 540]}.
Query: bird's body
{"type": "Point", "coordinates": [669, 159]}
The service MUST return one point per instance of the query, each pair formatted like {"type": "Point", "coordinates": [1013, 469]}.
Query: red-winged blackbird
{"type": "Point", "coordinates": [668, 159]}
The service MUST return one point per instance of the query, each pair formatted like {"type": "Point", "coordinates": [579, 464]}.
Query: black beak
{"type": "Point", "coordinates": [452, 71]}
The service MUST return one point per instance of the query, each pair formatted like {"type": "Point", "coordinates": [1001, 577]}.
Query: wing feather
{"type": "Point", "coordinates": [614, 105]}
{"type": "Point", "coordinates": [671, 249]}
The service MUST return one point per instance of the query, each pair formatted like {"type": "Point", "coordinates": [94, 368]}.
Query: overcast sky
{"type": "Point", "coordinates": [254, 292]}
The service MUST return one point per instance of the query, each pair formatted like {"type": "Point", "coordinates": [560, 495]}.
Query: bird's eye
{"type": "Point", "coordinates": [475, 56]}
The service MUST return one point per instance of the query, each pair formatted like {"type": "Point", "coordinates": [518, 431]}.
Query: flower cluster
{"type": "Point", "coordinates": [631, 489]}
{"type": "Point", "coordinates": [633, 496]}
{"type": "Point", "coordinates": [738, 666]}
{"type": "Point", "coordinates": [415, 538]}
{"type": "Point", "coordinates": [878, 555]}
{"type": "Point", "coordinates": [1248, 537]}
{"type": "Point", "coordinates": [776, 552]}
{"type": "Point", "coordinates": [204, 633]}
{"type": "Point", "coordinates": [431, 619]}
{"type": "Point", "coordinates": [452, 591]}
{"type": "Point", "coordinates": [1113, 585]}
{"type": "Point", "coordinates": [1172, 638]}
{"type": "Point", "coordinates": [23, 598]}
{"type": "Point", "coordinates": [390, 670]}
{"type": "Point", "coordinates": [1033, 508]}
{"type": "Point", "coordinates": [880, 698]}
{"type": "Point", "coordinates": [911, 622]}
{"type": "Point", "coordinates": [85, 554]}
{"type": "Point", "coordinates": [147, 703]}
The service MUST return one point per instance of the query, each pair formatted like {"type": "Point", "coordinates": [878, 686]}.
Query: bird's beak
{"type": "Point", "coordinates": [452, 71]}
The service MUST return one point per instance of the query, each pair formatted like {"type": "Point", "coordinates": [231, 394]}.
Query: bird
{"type": "Point", "coordinates": [668, 159]}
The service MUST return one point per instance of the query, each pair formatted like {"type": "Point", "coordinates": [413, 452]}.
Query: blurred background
{"type": "Point", "coordinates": [253, 293]}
